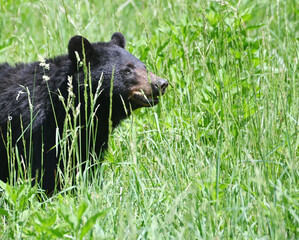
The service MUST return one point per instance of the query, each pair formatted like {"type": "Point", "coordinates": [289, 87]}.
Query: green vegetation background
{"type": "Point", "coordinates": [217, 159]}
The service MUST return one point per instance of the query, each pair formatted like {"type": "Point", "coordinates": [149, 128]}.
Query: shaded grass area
{"type": "Point", "coordinates": [216, 159]}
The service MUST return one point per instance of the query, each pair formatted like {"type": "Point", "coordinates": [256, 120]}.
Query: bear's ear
{"type": "Point", "coordinates": [118, 39]}
{"type": "Point", "coordinates": [79, 44]}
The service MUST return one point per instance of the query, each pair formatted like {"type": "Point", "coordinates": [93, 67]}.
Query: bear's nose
{"type": "Point", "coordinates": [163, 84]}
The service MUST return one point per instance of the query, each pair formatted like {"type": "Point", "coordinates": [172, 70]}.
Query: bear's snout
{"type": "Point", "coordinates": [146, 93]}
{"type": "Point", "coordinates": [158, 85]}
{"type": "Point", "coordinates": [162, 85]}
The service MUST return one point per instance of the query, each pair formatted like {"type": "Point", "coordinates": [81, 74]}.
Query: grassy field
{"type": "Point", "coordinates": [216, 159]}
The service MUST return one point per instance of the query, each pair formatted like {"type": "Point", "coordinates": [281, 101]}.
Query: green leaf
{"type": "Point", "coordinates": [3, 212]}
{"type": "Point", "coordinates": [255, 26]}
{"type": "Point", "coordinates": [90, 222]}
{"type": "Point", "coordinates": [82, 208]}
{"type": "Point", "coordinates": [162, 47]}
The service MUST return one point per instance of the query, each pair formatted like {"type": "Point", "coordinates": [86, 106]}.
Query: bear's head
{"type": "Point", "coordinates": [132, 82]}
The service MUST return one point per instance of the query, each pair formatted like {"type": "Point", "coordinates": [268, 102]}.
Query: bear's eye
{"type": "Point", "coordinates": [127, 71]}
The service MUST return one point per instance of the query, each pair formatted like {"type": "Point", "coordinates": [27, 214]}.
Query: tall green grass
{"type": "Point", "coordinates": [216, 159]}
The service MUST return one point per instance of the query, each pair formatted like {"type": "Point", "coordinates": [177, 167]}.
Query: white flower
{"type": "Point", "coordinates": [47, 66]}
{"type": "Point", "coordinates": [41, 59]}
{"type": "Point", "coordinates": [43, 63]}
{"type": "Point", "coordinates": [9, 118]}
{"type": "Point", "coordinates": [46, 78]}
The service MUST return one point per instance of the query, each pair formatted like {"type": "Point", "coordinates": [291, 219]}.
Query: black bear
{"type": "Point", "coordinates": [33, 102]}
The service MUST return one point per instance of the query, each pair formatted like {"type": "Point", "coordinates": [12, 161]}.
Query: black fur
{"type": "Point", "coordinates": [109, 59]}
